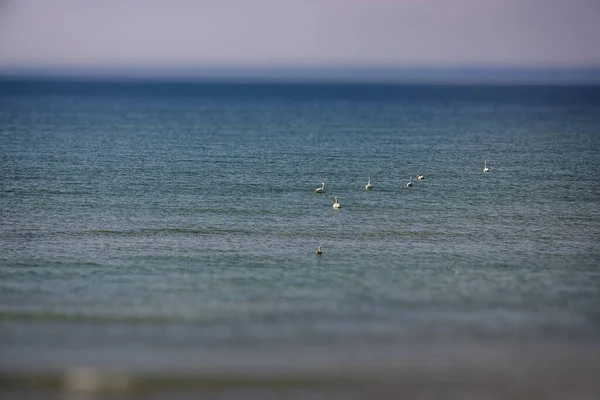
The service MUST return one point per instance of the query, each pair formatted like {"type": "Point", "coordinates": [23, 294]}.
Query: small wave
{"type": "Point", "coordinates": [50, 316]}
{"type": "Point", "coordinates": [34, 263]}
{"type": "Point", "coordinates": [165, 232]}
{"type": "Point", "coordinates": [405, 234]}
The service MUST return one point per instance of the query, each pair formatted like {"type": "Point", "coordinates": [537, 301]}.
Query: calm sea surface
{"type": "Point", "coordinates": [173, 227]}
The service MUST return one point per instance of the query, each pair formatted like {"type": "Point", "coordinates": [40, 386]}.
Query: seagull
{"type": "Point", "coordinates": [337, 204]}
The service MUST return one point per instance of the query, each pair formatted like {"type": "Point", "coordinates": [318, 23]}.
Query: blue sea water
{"type": "Point", "coordinates": [173, 227]}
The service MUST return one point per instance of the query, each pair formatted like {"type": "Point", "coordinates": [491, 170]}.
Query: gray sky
{"type": "Point", "coordinates": [389, 33]}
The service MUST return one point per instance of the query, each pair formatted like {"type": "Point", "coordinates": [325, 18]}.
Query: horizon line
{"type": "Point", "coordinates": [316, 74]}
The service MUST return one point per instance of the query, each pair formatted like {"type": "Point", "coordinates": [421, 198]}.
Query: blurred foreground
{"type": "Point", "coordinates": [416, 372]}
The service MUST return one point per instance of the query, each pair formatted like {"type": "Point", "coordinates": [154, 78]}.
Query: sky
{"type": "Point", "coordinates": [299, 33]}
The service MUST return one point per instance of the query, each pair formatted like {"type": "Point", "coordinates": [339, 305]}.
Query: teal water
{"type": "Point", "coordinates": [159, 226]}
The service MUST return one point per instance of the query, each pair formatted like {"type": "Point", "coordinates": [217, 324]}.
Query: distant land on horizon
{"type": "Point", "coordinates": [423, 75]}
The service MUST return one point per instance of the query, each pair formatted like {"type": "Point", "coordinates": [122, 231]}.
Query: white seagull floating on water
{"type": "Point", "coordinates": [337, 204]}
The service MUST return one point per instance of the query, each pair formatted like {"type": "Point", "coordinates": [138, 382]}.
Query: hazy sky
{"type": "Point", "coordinates": [390, 33]}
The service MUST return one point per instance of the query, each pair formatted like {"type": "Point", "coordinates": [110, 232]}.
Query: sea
{"type": "Point", "coordinates": [158, 240]}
